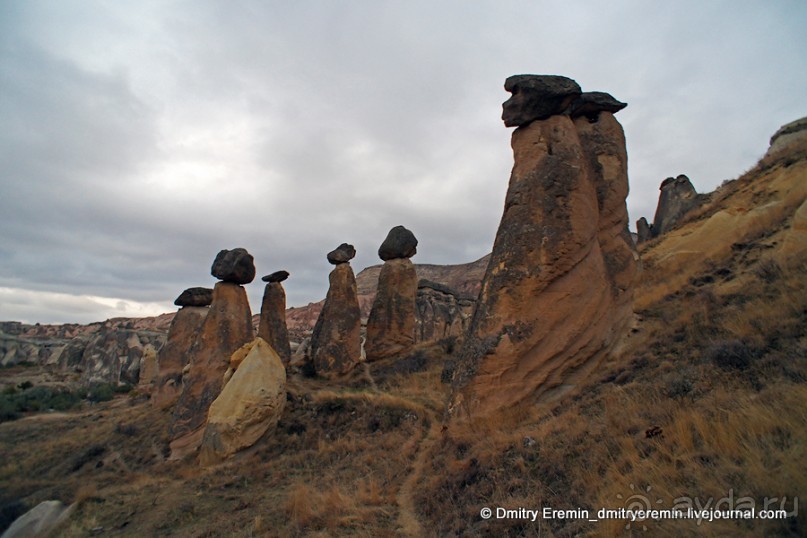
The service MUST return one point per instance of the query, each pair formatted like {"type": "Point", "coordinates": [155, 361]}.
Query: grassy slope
{"type": "Point", "coordinates": [708, 397]}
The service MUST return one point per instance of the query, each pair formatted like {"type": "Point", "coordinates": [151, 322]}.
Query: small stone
{"type": "Point", "coordinates": [400, 243]}
{"type": "Point", "coordinates": [195, 297]}
{"type": "Point", "coordinates": [277, 276]}
{"type": "Point", "coordinates": [236, 266]}
{"type": "Point", "coordinates": [341, 254]}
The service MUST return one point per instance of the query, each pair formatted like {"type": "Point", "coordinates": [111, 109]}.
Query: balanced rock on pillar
{"type": "Point", "coordinates": [336, 341]}
{"type": "Point", "coordinates": [391, 324]}
{"type": "Point", "coordinates": [272, 327]}
{"type": "Point", "coordinates": [174, 355]}
{"type": "Point", "coordinates": [227, 327]}
{"type": "Point", "coordinates": [558, 289]}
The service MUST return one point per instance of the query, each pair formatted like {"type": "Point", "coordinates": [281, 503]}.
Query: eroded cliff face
{"type": "Point", "coordinates": [557, 293]}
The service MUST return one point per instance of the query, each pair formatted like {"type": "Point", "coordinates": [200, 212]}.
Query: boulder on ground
{"type": "Point", "coordinates": [250, 404]}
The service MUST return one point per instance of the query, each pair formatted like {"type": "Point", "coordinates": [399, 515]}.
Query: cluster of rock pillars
{"type": "Point", "coordinates": [555, 299]}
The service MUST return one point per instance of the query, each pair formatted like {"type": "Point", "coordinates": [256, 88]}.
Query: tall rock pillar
{"type": "Point", "coordinates": [272, 327]}
{"type": "Point", "coordinates": [557, 292]}
{"type": "Point", "coordinates": [391, 324]}
{"type": "Point", "coordinates": [227, 327]}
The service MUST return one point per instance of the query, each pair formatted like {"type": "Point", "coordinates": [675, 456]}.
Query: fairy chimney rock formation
{"type": "Point", "coordinates": [335, 347]}
{"type": "Point", "coordinates": [643, 231]}
{"type": "Point", "coordinates": [558, 291]}
{"type": "Point", "coordinates": [391, 324]}
{"type": "Point", "coordinates": [272, 327]}
{"type": "Point", "coordinates": [677, 198]}
{"type": "Point", "coordinates": [226, 327]}
{"type": "Point", "coordinates": [174, 354]}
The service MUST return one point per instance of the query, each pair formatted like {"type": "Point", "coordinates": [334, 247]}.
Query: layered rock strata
{"type": "Point", "coordinates": [557, 294]}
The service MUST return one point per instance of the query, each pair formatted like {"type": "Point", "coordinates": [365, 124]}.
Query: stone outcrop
{"type": "Point", "coordinates": [195, 297]}
{"type": "Point", "coordinates": [341, 254]}
{"type": "Point", "coordinates": [272, 327]}
{"type": "Point", "coordinates": [227, 327]}
{"type": "Point", "coordinates": [236, 266]}
{"type": "Point", "coordinates": [175, 354]}
{"type": "Point", "coordinates": [590, 104]}
{"type": "Point", "coordinates": [677, 198]}
{"type": "Point", "coordinates": [557, 293]}
{"type": "Point", "coordinates": [440, 312]}
{"type": "Point", "coordinates": [336, 341]}
{"type": "Point", "coordinates": [790, 134]}
{"type": "Point", "coordinates": [42, 520]}
{"type": "Point", "coordinates": [391, 323]}
{"type": "Point", "coordinates": [643, 231]}
{"type": "Point", "coordinates": [250, 403]}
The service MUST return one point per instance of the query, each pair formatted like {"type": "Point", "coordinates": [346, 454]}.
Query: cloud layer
{"type": "Point", "coordinates": [140, 139]}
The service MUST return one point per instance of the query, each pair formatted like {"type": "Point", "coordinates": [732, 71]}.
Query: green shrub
{"type": "Point", "coordinates": [101, 392]}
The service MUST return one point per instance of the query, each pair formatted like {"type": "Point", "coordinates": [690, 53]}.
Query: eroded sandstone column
{"type": "Point", "coordinates": [227, 327]}
{"type": "Point", "coordinates": [336, 340]}
{"type": "Point", "coordinates": [272, 327]}
{"type": "Point", "coordinates": [557, 292]}
{"type": "Point", "coordinates": [175, 354]}
{"type": "Point", "coordinates": [391, 324]}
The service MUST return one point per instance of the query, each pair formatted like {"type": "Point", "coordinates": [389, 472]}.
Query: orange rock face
{"type": "Point", "coordinates": [336, 341]}
{"type": "Point", "coordinates": [272, 326]}
{"type": "Point", "coordinates": [391, 325]}
{"type": "Point", "coordinates": [227, 327]}
{"type": "Point", "coordinates": [557, 293]}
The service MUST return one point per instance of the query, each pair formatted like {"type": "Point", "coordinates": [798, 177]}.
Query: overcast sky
{"type": "Point", "coordinates": [137, 139]}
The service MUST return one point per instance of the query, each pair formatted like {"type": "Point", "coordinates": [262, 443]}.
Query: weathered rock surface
{"type": "Point", "coordinates": [236, 266]}
{"type": "Point", "coordinates": [175, 354]}
{"type": "Point", "coordinates": [250, 403]}
{"type": "Point", "coordinates": [590, 104]}
{"type": "Point", "coordinates": [227, 327]}
{"type": "Point", "coordinates": [677, 198]}
{"type": "Point", "coordinates": [341, 254]}
{"type": "Point", "coordinates": [399, 243]}
{"type": "Point", "coordinates": [790, 134]}
{"type": "Point", "coordinates": [440, 312]}
{"type": "Point", "coordinates": [643, 231]}
{"type": "Point", "coordinates": [272, 327]}
{"type": "Point", "coordinates": [557, 292]}
{"type": "Point", "coordinates": [41, 520]}
{"type": "Point", "coordinates": [195, 297]}
{"type": "Point", "coordinates": [277, 276]}
{"type": "Point", "coordinates": [336, 342]}
{"type": "Point", "coordinates": [391, 324]}
{"type": "Point", "coordinates": [537, 97]}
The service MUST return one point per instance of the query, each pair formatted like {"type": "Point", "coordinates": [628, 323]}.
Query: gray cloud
{"type": "Point", "coordinates": [140, 140]}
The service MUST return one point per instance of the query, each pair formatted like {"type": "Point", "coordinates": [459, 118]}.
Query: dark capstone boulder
{"type": "Point", "coordinates": [400, 243]}
{"type": "Point", "coordinates": [341, 254]}
{"type": "Point", "coordinates": [277, 276]}
{"type": "Point", "coordinates": [195, 297]}
{"type": "Point", "coordinates": [236, 266]}
{"type": "Point", "coordinates": [590, 104]}
{"type": "Point", "coordinates": [537, 97]}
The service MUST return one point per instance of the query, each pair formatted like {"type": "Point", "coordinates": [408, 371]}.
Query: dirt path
{"type": "Point", "coordinates": [408, 522]}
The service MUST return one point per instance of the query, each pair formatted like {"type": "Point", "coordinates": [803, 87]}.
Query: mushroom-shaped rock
{"type": "Point", "coordinates": [341, 254]}
{"type": "Point", "coordinates": [195, 297]}
{"type": "Point", "coordinates": [236, 266]}
{"type": "Point", "coordinates": [277, 276]}
{"type": "Point", "coordinates": [400, 243]}
{"type": "Point", "coordinates": [537, 97]}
